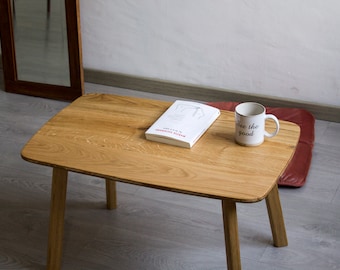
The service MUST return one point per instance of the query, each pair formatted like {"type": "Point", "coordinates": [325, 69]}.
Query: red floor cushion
{"type": "Point", "coordinates": [297, 170]}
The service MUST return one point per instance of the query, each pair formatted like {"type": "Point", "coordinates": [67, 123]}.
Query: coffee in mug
{"type": "Point", "coordinates": [250, 118]}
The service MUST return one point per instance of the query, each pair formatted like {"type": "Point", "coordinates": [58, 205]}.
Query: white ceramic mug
{"type": "Point", "coordinates": [250, 118]}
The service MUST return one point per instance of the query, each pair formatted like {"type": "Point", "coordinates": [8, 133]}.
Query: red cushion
{"type": "Point", "coordinates": [296, 172]}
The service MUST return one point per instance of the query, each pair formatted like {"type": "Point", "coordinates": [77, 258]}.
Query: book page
{"type": "Point", "coordinates": [185, 121]}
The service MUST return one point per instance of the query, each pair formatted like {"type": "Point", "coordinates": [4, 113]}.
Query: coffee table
{"type": "Point", "coordinates": [103, 135]}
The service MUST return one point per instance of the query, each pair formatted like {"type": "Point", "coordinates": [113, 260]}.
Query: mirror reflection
{"type": "Point", "coordinates": [40, 36]}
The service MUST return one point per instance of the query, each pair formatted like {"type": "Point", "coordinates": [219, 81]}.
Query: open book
{"type": "Point", "coordinates": [183, 123]}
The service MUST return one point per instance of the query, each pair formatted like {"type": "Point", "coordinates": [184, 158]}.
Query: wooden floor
{"type": "Point", "coordinates": [154, 229]}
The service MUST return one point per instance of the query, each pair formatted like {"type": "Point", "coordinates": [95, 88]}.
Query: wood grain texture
{"type": "Point", "coordinates": [57, 212]}
{"type": "Point", "coordinates": [231, 234]}
{"type": "Point", "coordinates": [103, 135]}
{"type": "Point", "coordinates": [92, 114]}
{"type": "Point", "coordinates": [111, 194]}
{"type": "Point", "coordinates": [154, 229]}
{"type": "Point", "coordinates": [276, 218]}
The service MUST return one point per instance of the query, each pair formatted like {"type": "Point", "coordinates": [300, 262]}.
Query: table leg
{"type": "Point", "coordinates": [111, 196]}
{"type": "Point", "coordinates": [276, 218]}
{"type": "Point", "coordinates": [57, 214]}
{"type": "Point", "coordinates": [231, 235]}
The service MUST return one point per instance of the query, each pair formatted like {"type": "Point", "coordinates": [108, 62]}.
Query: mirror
{"type": "Point", "coordinates": [40, 39]}
{"type": "Point", "coordinates": [41, 48]}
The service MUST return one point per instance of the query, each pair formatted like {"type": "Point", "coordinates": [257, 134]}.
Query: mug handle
{"type": "Point", "coordinates": [273, 117]}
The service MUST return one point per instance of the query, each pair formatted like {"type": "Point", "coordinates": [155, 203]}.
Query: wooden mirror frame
{"type": "Point", "coordinates": [14, 85]}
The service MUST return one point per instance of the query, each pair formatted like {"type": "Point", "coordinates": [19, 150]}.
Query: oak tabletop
{"type": "Point", "coordinates": [103, 135]}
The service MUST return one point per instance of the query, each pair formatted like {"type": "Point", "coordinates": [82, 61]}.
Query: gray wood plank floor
{"type": "Point", "coordinates": [154, 229]}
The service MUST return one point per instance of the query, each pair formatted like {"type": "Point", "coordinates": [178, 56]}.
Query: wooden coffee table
{"type": "Point", "coordinates": [103, 135]}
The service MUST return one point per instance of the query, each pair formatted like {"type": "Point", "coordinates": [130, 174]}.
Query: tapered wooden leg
{"type": "Point", "coordinates": [276, 218]}
{"type": "Point", "coordinates": [231, 235]}
{"type": "Point", "coordinates": [57, 214]}
{"type": "Point", "coordinates": [111, 196]}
